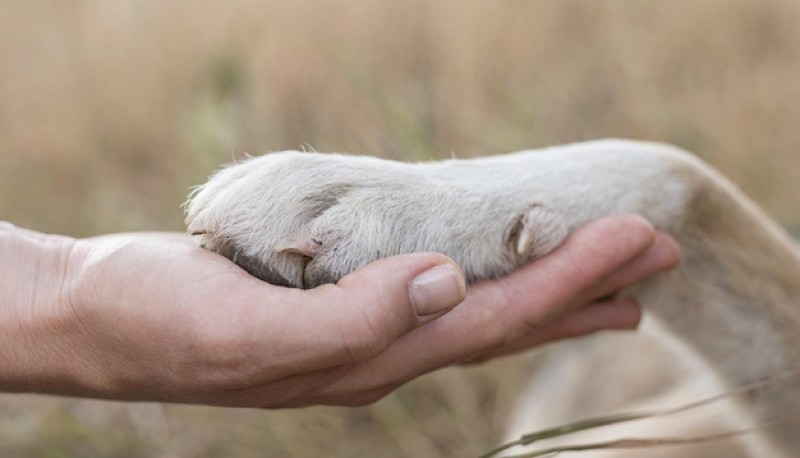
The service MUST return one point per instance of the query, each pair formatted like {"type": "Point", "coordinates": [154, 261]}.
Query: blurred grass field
{"type": "Point", "coordinates": [110, 110]}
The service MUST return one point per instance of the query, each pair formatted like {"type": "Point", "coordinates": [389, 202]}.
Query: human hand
{"type": "Point", "coordinates": [151, 317]}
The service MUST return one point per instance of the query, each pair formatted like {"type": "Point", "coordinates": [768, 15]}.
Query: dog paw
{"type": "Point", "coordinates": [304, 219]}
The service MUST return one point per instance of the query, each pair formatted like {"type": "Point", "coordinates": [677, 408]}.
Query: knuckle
{"type": "Point", "coordinates": [497, 318]}
{"type": "Point", "coordinates": [365, 335]}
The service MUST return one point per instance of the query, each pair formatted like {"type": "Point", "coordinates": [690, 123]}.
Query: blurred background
{"type": "Point", "coordinates": [110, 110]}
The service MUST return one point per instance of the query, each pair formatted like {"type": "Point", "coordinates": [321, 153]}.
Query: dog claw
{"type": "Point", "coordinates": [299, 244]}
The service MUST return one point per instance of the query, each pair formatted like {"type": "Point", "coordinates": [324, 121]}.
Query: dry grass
{"type": "Point", "coordinates": [110, 110]}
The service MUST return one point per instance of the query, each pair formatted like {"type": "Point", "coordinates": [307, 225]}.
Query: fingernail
{"type": "Point", "coordinates": [437, 289]}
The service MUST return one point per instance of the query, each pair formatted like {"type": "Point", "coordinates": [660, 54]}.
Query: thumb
{"type": "Point", "coordinates": [388, 298]}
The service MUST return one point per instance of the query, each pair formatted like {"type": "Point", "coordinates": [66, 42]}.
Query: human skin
{"type": "Point", "coordinates": [149, 316]}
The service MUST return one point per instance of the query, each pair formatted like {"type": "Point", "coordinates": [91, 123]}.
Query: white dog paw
{"type": "Point", "coordinates": [302, 219]}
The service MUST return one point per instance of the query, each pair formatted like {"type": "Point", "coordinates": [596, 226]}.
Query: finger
{"type": "Point", "coordinates": [622, 314]}
{"type": "Point", "coordinates": [608, 315]}
{"type": "Point", "coordinates": [499, 312]}
{"type": "Point", "coordinates": [663, 255]}
{"type": "Point", "coordinates": [390, 297]}
{"type": "Point", "coordinates": [590, 255]}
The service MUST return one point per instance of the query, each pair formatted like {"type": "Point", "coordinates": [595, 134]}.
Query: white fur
{"type": "Point", "coordinates": [728, 316]}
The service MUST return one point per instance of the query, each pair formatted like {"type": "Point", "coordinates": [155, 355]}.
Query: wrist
{"type": "Point", "coordinates": [36, 351]}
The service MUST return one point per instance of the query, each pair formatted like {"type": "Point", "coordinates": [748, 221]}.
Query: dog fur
{"type": "Point", "coordinates": [728, 316]}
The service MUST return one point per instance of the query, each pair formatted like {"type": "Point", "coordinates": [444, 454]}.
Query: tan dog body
{"type": "Point", "coordinates": [728, 316]}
